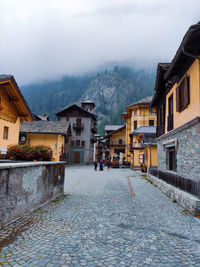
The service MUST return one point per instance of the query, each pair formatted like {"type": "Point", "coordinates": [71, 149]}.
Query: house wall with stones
{"type": "Point", "coordinates": [188, 151]}
{"type": "Point", "coordinates": [25, 187]}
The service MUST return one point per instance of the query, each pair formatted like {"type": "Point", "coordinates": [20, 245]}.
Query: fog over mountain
{"type": "Point", "coordinates": [48, 39]}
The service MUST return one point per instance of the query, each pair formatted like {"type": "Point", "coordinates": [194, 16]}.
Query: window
{"type": "Point", "coordinates": [78, 122]}
{"type": "Point", "coordinates": [78, 132]}
{"type": "Point", "coordinates": [170, 125]}
{"type": "Point", "coordinates": [5, 132]}
{"type": "Point", "coordinates": [135, 125]}
{"type": "Point", "coordinates": [77, 142]}
{"type": "Point", "coordinates": [120, 141]}
{"type": "Point", "coordinates": [171, 159]}
{"type": "Point", "coordinates": [141, 158]}
{"type": "Point", "coordinates": [72, 143]}
{"type": "Point", "coordinates": [83, 143]}
{"type": "Point", "coordinates": [151, 122]}
{"type": "Point", "coordinates": [135, 112]}
{"type": "Point", "coordinates": [183, 94]}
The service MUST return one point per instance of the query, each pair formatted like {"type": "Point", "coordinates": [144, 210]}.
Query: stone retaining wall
{"type": "Point", "coordinates": [27, 186]}
{"type": "Point", "coordinates": [187, 201]}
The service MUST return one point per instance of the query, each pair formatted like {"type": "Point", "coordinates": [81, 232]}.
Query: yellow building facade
{"type": "Point", "coordinates": [54, 134]}
{"type": "Point", "coordinates": [13, 110]}
{"type": "Point", "coordinates": [117, 141]}
{"type": "Point", "coordinates": [55, 141]}
{"type": "Point", "coordinates": [137, 115]}
{"type": "Point", "coordinates": [177, 99]}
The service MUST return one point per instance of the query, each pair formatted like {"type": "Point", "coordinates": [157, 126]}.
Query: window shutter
{"type": "Point", "coordinates": [187, 91]}
{"type": "Point", "coordinates": [177, 99]}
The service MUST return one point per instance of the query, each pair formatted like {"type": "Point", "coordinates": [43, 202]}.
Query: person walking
{"type": "Point", "coordinates": [101, 165]}
{"type": "Point", "coordinates": [108, 163]}
{"type": "Point", "coordinates": [95, 165]}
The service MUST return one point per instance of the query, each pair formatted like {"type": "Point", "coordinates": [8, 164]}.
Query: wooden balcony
{"type": "Point", "coordinates": [78, 126]}
{"type": "Point", "coordinates": [117, 143]}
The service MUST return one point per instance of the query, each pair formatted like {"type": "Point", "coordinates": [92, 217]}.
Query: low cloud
{"type": "Point", "coordinates": [49, 38]}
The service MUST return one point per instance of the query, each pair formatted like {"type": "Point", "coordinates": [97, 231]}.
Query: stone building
{"type": "Point", "coordinates": [83, 128]}
{"type": "Point", "coordinates": [177, 98]}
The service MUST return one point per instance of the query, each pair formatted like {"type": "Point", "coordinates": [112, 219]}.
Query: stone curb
{"type": "Point", "coordinates": [186, 200]}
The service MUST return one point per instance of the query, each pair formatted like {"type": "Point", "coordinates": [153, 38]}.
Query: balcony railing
{"type": "Point", "coordinates": [135, 145]}
{"type": "Point", "coordinates": [117, 143]}
{"type": "Point", "coordinates": [170, 122]}
{"type": "Point", "coordinates": [78, 126]}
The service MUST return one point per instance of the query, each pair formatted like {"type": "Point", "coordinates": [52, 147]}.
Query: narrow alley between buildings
{"type": "Point", "coordinates": [107, 218]}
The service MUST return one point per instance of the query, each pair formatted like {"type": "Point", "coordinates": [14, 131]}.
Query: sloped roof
{"type": "Point", "coordinates": [160, 82]}
{"type": "Point", "coordinates": [149, 134]}
{"type": "Point", "coordinates": [13, 92]}
{"type": "Point", "coordinates": [115, 131]}
{"type": "Point", "coordinates": [146, 100]}
{"type": "Point", "coordinates": [87, 102]}
{"type": "Point", "coordinates": [51, 127]}
{"type": "Point", "coordinates": [59, 113]}
{"type": "Point", "coordinates": [112, 127]}
{"type": "Point", "coordinates": [144, 130]}
{"type": "Point", "coordinates": [187, 52]}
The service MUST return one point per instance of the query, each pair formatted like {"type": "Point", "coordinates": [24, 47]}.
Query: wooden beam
{"type": "Point", "coordinates": [13, 99]}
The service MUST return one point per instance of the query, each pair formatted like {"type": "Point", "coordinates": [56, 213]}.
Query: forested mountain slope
{"type": "Point", "coordinates": [110, 90]}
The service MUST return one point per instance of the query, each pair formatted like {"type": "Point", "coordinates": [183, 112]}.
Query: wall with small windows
{"type": "Point", "coordinates": [186, 99]}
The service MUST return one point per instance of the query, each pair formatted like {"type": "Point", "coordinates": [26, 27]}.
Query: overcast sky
{"type": "Point", "coordinates": [44, 39]}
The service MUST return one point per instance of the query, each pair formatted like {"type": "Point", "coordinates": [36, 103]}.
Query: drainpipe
{"type": "Point", "coordinates": [150, 155]}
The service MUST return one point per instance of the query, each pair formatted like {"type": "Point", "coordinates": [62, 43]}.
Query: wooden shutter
{"type": "Point", "coordinates": [77, 142]}
{"type": "Point", "coordinates": [177, 99]}
{"type": "Point", "coordinates": [187, 91]}
{"type": "Point", "coordinates": [78, 121]}
{"type": "Point", "coordinates": [83, 143]}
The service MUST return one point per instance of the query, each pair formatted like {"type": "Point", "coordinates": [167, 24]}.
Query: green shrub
{"type": "Point", "coordinates": [29, 153]}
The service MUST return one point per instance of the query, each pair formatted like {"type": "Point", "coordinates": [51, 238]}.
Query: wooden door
{"type": "Point", "coordinates": [77, 157]}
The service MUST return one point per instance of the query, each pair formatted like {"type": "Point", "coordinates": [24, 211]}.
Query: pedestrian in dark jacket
{"type": "Point", "coordinates": [108, 163]}
{"type": "Point", "coordinates": [101, 165]}
{"type": "Point", "coordinates": [95, 165]}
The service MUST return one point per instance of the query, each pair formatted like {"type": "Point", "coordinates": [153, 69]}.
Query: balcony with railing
{"type": "Point", "coordinates": [135, 146]}
{"type": "Point", "coordinates": [77, 126]}
{"type": "Point", "coordinates": [117, 143]}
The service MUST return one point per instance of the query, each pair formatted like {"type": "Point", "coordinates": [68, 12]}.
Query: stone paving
{"type": "Point", "coordinates": [100, 223]}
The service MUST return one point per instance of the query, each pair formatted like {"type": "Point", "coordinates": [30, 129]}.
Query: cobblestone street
{"type": "Point", "coordinates": [109, 218]}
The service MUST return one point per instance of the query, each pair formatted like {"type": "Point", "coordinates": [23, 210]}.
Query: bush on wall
{"type": "Point", "coordinates": [29, 153]}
